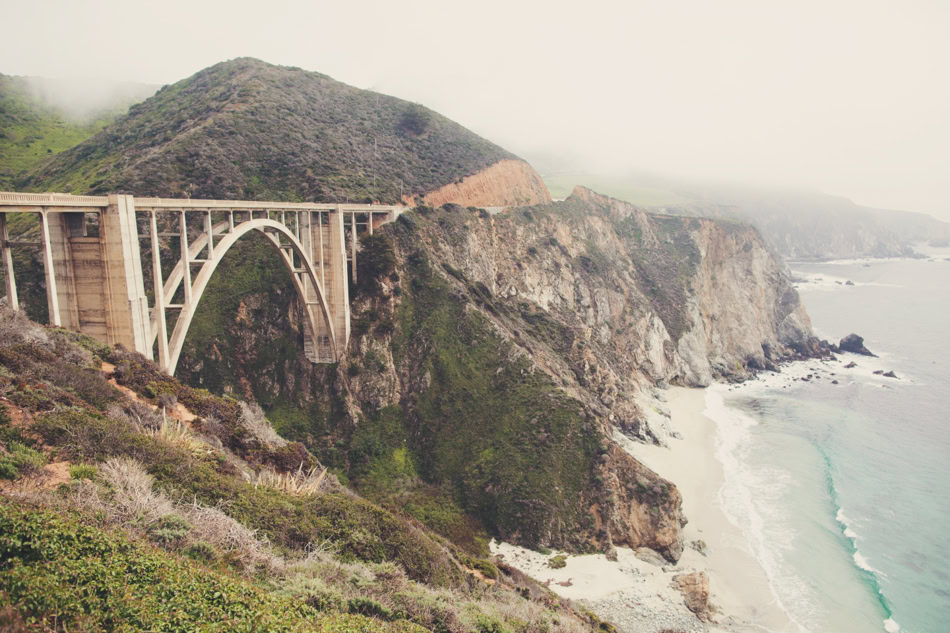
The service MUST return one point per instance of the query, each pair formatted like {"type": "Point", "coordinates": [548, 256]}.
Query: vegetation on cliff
{"type": "Point", "coordinates": [244, 129]}
{"type": "Point", "coordinates": [134, 502]}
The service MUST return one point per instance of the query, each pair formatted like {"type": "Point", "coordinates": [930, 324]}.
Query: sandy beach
{"type": "Point", "coordinates": [636, 594]}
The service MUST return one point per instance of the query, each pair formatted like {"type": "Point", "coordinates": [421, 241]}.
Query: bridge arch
{"type": "Point", "coordinates": [274, 231]}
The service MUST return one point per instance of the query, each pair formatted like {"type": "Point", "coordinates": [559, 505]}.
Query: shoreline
{"type": "Point", "coordinates": [637, 595]}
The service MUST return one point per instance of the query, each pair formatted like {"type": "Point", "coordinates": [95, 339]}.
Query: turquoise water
{"type": "Point", "coordinates": [843, 491]}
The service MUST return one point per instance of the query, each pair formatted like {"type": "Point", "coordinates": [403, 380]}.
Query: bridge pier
{"type": "Point", "coordinates": [12, 299]}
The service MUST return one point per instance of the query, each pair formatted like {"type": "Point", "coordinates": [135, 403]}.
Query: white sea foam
{"type": "Point", "coordinates": [891, 626]}
{"type": "Point", "coordinates": [736, 499]}
{"type": "Point", "coordinates": [843, 520]}
{"type": "Point", "coordinates": [822, 281]}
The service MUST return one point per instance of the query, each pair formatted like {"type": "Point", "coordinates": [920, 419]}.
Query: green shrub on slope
{"type": "Point", "coordinates": [59, 573]}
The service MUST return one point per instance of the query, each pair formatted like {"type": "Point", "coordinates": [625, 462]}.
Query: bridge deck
{"type": "Point", "coordinates": [14, 199]}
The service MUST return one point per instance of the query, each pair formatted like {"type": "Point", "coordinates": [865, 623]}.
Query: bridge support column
{"type": "Point", "coordinates": [12, 300]}
{"type": "Point", "coordinates": [328, 247]}
{"type": "Point", "coordinates": [111, 292]}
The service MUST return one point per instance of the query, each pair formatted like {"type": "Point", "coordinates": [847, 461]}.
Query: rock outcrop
{"type": "Point", "coordinates": [695, 589]}
{"type": "Point", "coordinates": [854, 344]}
{"type": "Point", "coordinates": [506, 183]}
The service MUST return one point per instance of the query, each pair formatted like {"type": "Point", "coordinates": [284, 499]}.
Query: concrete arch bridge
{"type": "Point", "coordinates": [93, 264]}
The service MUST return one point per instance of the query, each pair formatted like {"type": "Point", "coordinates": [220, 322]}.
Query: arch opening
{"type": "Point", "coordinates": [290, 252]}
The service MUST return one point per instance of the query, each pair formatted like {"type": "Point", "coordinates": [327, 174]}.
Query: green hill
{"type": "Point", "coordinates": [41, 117]}
{"type": "Point", "coordinates": [247, 129]}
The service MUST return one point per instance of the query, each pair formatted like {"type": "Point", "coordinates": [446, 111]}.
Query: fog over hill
{"type": "Point", "coordinates": [797, 224]}
{"type": "Point", "coordinates": [248, 129]}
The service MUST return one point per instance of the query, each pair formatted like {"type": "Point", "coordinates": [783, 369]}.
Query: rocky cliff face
{"type": "Point", "coordinates": [495, 358]}
{"type": "Point", "coordinates": [506, 183]}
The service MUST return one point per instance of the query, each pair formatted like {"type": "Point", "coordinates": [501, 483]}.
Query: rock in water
{"type": "Point", "coordinates": [695, 589]}
{"type": "Point", "coordinates": [854, 344]}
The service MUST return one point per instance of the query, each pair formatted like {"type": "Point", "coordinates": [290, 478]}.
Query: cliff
{"type": "Point", "coordinates": [505, 183]}
{"type": "Point", "coordinates": [494, 357]}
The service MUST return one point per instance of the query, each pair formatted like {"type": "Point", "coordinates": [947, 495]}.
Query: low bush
{"type": "Point", "coordinates": [57, 574]}
{"type": "Point", "coordinates": [19, 460]}
{"type": "Point", "coordinates": [83, 471]}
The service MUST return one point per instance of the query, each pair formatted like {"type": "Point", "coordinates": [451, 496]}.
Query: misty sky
{"type": "Point", "coordinates": [851, 97]}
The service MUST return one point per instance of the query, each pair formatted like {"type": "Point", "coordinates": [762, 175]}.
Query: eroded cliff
{"type": "Point", "coordinates": [494, 358]}
{"type": "Point", "coordinates": [506, 183]}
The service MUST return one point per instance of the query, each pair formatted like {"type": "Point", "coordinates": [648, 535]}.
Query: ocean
{"type": "Point", "coordinates": [843, 490]}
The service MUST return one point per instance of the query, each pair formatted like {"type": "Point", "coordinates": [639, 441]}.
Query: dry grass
{"type": "Point", "coordinates": [134, 500]}
{"type": "Point", "coordinates": [242, 544]}
{"type": "Point", "coordinates": [177, 432]}
{"type": "Point", "coordinates": [128, 499]}
{"type": "Point", "coordinates": [301, 482]}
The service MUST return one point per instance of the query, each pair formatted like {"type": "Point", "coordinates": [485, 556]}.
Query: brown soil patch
{"type": "Point", "coordinates": [179, 412]}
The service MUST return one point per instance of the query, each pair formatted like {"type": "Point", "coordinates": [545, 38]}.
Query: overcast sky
{"type": "Point", "coordinates": [851, 97]}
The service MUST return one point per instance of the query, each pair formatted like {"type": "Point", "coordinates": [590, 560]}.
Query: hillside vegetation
{"type": "Point", "coordinates": [39, 119]}
{"type": "Point", "coordinates": [133, 502]}
{"type": "Point", "coordinates": [244, 129]}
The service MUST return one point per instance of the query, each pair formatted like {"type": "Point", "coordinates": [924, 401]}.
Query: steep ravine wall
{"type": "Point", "coordinates": [494, 357]}
{"type": "Point", "coordinates": [505, 183]}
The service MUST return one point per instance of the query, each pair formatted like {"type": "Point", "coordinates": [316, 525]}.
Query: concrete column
{"type": "Point", "coordinates": [210, 229]}
{"type": "Point", "coordinates": [353, 244]}
{"type": "Point", "coordinates": [158, 285]}
{"type": "Point", "coordinates": [65, 228]}
{"type": "Point", "coordinates": [12, 299]}
{"type": "Point", "coordinates": [185, 258]}
{"type": "Point", "coordinates": [125, 304]}
{"type": "Point", "coordinates": [323, 276]}
{"type": "Point", "coordinates": [52, 298]}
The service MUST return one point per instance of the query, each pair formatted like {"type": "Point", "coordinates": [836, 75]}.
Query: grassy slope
{"type": "Point", "coordinates": [60, 573]}
{"type": "Point", "coordinates": [32, 131]}
{"type": "Point", "coordinates": [246, 129]}
{"type": "Point", "coordinates": [94, 572]}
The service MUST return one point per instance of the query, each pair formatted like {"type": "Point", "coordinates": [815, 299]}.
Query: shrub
{"type": "Point", "coordinates": [201, 551]}
{"type": "Point", "coordinates": [20, 460]}
{"type": "Point", "coordinates": [63, 575]}
{"type": "Point", "coordinates": [83, 471]}
{"type": "Point", "coordinates": [171, 529]}
{"type": "Point", "coordinates": [257, 424]}
{"type": "Point", "coordinates": [557, 562]}
{"type": "Point", "coordinates": [369, 607]}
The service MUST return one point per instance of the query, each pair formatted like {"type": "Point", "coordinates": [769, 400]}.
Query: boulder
{"type": "Point", "coordinates": [851, 365]}
{"type": "Point", "coordinates": [890, 374]}
{"type": "Point", "coordinates": [854, 344]}
{"type": "Point", "coordinates": [695, 589]}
